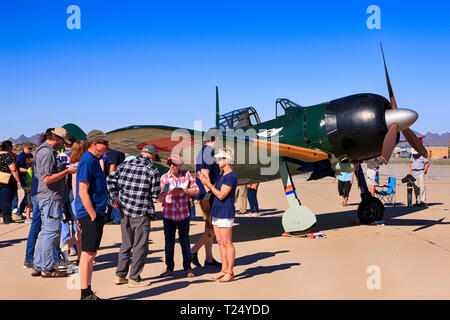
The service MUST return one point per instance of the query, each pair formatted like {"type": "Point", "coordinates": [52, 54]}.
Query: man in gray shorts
{"type": "Point", "coordinates": [371, 174]}
{"type": "Point", "coordinates": [50, 196]}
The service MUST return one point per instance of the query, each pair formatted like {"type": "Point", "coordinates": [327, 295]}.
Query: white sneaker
{"type": "Point", "coordinates": [28, 220]}
{"type": "Point", "coordinates": [14, 211]}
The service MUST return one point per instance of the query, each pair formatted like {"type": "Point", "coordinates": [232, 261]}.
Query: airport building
{"type": "Point", "coordinates": [437, 152]}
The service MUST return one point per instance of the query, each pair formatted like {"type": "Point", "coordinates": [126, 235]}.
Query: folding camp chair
{"type": "Point", "coordinates": [388, 191]}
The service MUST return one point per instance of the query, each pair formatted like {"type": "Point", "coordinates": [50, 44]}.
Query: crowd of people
{"type": "Point", "coordinates": [73, 193]}
{"type": "Point", "coordinates": [418, 169]}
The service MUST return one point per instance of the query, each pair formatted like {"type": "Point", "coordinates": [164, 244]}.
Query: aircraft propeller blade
{"type": "Point", "coordinates": [391, 92]}
{"type": "Point", "coordinates": [415, 142]}
{"type": "Point", "coordinates": [407, 118]}
{"type": "Point", "coordinates": [389, 142]}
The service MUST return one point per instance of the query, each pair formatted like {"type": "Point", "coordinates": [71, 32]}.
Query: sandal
{"type": "Point", "coordinates": [53, 274]}
{"type": "Point", "coordinates": [220, 276]}
{"type": "Point", "coordinates": [229, 279]}
{"type": "Point", "coordinates": [35, 273]}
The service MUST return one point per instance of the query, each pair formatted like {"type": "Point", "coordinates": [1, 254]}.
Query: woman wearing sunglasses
{"type": "Point", "coordinates": [178, 186]}
{"type": "Point", "coordinates": [222, 211]}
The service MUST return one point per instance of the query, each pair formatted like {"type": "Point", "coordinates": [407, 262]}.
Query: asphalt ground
{"type": "Point", "coordinates": [406, 258]}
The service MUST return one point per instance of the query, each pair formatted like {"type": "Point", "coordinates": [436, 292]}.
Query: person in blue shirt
{"type": "Point", "coordinates": [206, 164]}
{"type": "Point", "coordinates": [345, 181]}
{"type": "Point", "coordinates": [222, 211]}
{"type": "Point", "coordinates": [90, 205]}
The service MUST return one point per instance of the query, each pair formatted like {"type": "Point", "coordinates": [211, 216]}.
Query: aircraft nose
{"type": "Point", "coordinates": [403, 117]}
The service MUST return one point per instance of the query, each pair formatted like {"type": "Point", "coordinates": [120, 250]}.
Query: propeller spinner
{"type": "Point", "coordinates": [398, 120]}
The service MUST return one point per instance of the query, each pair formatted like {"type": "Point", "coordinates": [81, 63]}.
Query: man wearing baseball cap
{"type": "Point", "coordinates": [50, 196]}
{"type": "Point", "coordinates": [132, 188]}
{"type": "Point", "coordinates": [149, 149]}
{"type": "Point", "coordinates": [179, 186]}
{"type": "Point", "coordinates": [90, 204]}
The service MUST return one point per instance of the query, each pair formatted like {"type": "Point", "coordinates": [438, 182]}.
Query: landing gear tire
{"type": "Point", "coordinates": [369, 210]}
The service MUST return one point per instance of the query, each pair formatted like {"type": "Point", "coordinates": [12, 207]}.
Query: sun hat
{"type": "Point", "coordinates": [62, 133]}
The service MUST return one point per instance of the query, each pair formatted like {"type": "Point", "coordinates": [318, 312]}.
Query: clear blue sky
{"type": "Point", "coordinates": [158, 62]}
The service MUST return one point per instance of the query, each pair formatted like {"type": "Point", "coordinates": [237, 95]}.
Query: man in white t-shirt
{"type": "Point", "coordinates": [419, 167]}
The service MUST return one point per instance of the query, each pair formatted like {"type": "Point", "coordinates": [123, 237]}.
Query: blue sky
{"type": "Point", "coordinates": [149, 62]}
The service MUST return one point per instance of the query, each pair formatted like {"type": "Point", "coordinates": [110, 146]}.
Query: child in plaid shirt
{"type": "Point", "coordinates": [178, 186]}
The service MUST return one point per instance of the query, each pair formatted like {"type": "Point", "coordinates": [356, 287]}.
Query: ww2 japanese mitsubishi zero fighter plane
{"type": "Point", "coordinates": [322, 139]}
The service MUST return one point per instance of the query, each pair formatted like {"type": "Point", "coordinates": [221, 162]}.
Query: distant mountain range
{"type": "Point", "coordinates": [431, 139]}
{"type": "Point", "coordinates": [22, 139]}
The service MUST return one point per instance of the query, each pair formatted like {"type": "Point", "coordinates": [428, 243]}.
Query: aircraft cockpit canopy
{"type": "Point", "coordinates": [285, 104]}
{"type": "Point", "coordinates": [238, 118]}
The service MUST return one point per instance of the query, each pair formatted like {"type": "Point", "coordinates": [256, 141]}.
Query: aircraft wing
{"type": "Point", "coordinates": [165, 139]}
{"type": "Point", "coordinates": [188, 143]}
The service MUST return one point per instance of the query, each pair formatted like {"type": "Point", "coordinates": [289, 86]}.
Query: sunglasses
{"type": "Point", "coordinates": [106, 143]}
{"type": "Point", "coordinates": [172, 163]}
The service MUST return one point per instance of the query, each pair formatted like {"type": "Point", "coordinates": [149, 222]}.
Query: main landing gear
{"type": "Point", "coordinates": [370, 209]}
{"type": "Point", "coordinates": [298, 219]}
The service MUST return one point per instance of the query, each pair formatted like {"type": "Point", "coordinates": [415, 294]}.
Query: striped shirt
{"type": "Point", "coordinates": [174, 207]}
{"type": "Point", "coordinates": [134, 184]}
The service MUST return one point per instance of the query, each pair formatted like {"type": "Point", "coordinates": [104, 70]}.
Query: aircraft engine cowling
{"type": "Point", "coordinates": [356, 126]}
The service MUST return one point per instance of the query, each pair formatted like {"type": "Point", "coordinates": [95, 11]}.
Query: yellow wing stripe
{"type": "Point", "coordinates": [290, 150]}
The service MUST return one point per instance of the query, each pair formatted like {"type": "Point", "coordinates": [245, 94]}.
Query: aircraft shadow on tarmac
{"type": "Point", "coordinates": [339, 220]}
{"type": "Point", "coordinates": [7, 243]}
{"type": "Point", "coordinates": [154, 290]}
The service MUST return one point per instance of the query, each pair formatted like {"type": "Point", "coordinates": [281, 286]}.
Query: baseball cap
{"type": "Point", "coordinates": [152, 150]}
{"type": "Point", "coordinates": [62, 133]}
{"type": "Point", "coordinates": [175, 158]}
{"type": "Point", "coordinates": [95, 135]}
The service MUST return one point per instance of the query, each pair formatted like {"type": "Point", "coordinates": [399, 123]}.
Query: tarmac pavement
{"type": "Point", "coordinates": [407, 258]}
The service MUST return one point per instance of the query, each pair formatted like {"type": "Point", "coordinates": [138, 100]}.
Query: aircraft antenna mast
{"type": "Point", "coordinates": [217, 107]}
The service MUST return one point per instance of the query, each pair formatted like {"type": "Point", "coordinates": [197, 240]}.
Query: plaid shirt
{"type": "Point", "coordinates": [138, 182]}
{"type": "Point", "coordinates": [176, 208]}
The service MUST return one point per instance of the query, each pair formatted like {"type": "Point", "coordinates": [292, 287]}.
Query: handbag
{"type": "Point", "coordinates": [4, 177]}
{"type": "Point", "coordinates": [208, 195]}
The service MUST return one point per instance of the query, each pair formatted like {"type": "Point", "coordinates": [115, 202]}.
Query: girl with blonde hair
{"type": "Point", "coordinates": [222, 211]}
